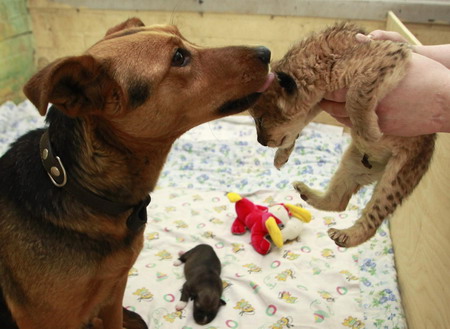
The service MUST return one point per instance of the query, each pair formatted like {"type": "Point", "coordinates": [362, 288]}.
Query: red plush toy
{"type": "Point", "coordinates": [257, 219]}
{"type": "Point", "coordinates": [263, 221]}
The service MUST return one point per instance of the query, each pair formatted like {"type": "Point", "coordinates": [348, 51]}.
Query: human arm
{"type": "Point", "coordinates": [439, 53]}
{"type": "Point", "coordinates": [419, 105]}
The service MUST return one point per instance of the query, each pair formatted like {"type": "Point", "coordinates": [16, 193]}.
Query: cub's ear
{"type": "Point", "coordinates": [75, 85]}
{"type": "Point", "coordinates": [287, 82]}
{"type": "Point", "coordinates": [222, 302]}
{"type": "Point", "coordinates": [129, 23]}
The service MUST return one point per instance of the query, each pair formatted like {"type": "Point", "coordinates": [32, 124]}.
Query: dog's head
{"type": "Point", "coordinates": [151, 83]}
{"type": "Point", "coordinates": [277, 117]}
{"type": "Point", "coordinates": [206, 305]}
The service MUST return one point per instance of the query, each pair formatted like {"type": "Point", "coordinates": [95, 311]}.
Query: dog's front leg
{"type": "Point", "coordinates": [185, 293]}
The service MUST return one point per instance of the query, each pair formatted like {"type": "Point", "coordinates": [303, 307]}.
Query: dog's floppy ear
{"type": "Point", "coordinates": [129, 23]}
{"type": "Point", "coordinates": [287, 82]}
{"type": "Point", "coordinates": [76, 85]}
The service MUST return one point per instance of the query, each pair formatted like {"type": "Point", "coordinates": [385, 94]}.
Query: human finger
{"type": "Point", "coordinates": [386, 35]}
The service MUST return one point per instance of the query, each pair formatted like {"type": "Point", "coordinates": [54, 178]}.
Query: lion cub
{"type": "Point", "coordinates": [325, 62]}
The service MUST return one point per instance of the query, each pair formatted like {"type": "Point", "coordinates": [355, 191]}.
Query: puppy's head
{"type": "Point", "coordinates": [150, 82]}
{"type": "Point", "coordinates": [206, 305]}
{"type": "Point", "coordinates": [277, 118]}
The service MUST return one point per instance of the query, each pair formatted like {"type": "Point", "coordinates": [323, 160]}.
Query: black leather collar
{"type": "Point", "coordinates": [58, 175]}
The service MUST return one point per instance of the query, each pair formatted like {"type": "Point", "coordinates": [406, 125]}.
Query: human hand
{"type": "Point", "coordinates": [419, 105]}
{"type": "Point", "coordinates": [381, 35]}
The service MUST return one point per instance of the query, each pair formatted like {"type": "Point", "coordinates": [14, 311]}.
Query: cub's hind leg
{"type": "Point", "coordinates": [348, 178]}
{"type": "Point", "coordinates": [402, 174]}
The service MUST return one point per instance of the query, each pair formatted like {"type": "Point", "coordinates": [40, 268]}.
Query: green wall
{"type": "Point", "coordinates": [16, 49]}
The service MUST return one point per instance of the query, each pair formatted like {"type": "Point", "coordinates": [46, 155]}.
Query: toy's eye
{"type": "Point", "coordinates": [181, 57]}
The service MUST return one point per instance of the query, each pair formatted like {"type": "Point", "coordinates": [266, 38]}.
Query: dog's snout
{"type": "Point", "coordinates": [263, 54]}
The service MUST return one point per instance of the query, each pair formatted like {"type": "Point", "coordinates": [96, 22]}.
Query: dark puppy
{"type": "Point", "coordinates": [203, 284]}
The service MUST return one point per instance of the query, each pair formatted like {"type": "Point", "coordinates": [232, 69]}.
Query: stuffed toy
{"type": "Point", "coordinates": [265, 221]}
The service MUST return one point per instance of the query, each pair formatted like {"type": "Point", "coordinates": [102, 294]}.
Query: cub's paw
{"type": "Point", "coordinates": [177, 262]}
{"type": "Point", "coordinates": [369, 134]}
{"type": "Point", "coordinates": [339, 237]}
{"type": "Point", "coordinates": [305, 192]}
{"type": "Point", "coordinates": [280, 158]}
{"type": "Point", "coordinates": [347, 237]}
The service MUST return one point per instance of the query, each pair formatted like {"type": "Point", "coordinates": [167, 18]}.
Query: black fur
{"type": "Point", "coordinates": [287, 82]}
{"type": "Point", "coordinates": [33, 211]}
{"type": "Point", "coordinates": [203, 284]}
{"type": "Point", "coordinates": [6, 321]}
{"type": "Point", "coordinates": [138, 93]}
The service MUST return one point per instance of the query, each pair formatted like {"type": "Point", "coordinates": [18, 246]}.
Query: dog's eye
{"type": "Point", "coordinates": [181, 57]}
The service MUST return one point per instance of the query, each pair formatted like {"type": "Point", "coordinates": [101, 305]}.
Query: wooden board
{"type": "Point", "coordinates": [420, 230]}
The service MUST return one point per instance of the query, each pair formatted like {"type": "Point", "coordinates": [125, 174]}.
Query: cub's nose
{"type": "Point", "coordinates": [262, 140]}
{"type": "Point", "coordinates": [263, 54]}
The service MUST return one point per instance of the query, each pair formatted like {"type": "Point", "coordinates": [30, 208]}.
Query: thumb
{"type": "Point", "coordinates": [363, 38]}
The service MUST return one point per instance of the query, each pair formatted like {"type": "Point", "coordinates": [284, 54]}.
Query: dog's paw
{"type": "Point", "coordinates": [177, 262]}
{"type": "Point", "coordinates": [180, 305]}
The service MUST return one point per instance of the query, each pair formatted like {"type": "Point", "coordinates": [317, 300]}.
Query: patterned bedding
{"type": "Point", "coordinates": [309, 283]}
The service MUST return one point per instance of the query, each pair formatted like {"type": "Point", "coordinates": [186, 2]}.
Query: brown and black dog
{"type": "Point", "coordinates": [73, 196]}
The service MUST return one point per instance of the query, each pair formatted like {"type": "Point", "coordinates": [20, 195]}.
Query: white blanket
{"type": "Point", "coordinates": [310, 283]}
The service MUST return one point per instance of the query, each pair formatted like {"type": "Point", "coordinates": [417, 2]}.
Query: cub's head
{"type": "Point", "coordinates": [277, 118]}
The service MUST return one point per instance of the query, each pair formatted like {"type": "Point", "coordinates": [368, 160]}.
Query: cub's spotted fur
{"type": "Point", "coordinates": [325, 62]}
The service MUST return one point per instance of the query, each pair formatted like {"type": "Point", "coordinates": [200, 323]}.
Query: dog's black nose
{"type": "Point", "coordinates": [263, 54]}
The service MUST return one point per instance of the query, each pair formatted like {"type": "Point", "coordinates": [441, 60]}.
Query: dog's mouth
{"type": "Point", "coordinates": [241, 104]}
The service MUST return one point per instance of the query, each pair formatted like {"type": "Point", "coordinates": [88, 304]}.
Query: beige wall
{"type": "Point", "coordinates": [61, 30]}
{"type": "Point", "coordinates": [67, 31]}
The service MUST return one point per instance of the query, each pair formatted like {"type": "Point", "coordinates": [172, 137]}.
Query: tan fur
{"type": "Point", "coordinates": [326, 62]}
{"type": "Point", "coordinates": [131, 104]}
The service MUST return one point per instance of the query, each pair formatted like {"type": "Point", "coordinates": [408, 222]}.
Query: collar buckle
{"type": "Point", "coordinates": [53, 165]}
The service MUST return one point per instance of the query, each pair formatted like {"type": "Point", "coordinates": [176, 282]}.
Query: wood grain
{"type": "Point", "coordinates": [420, 231]}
